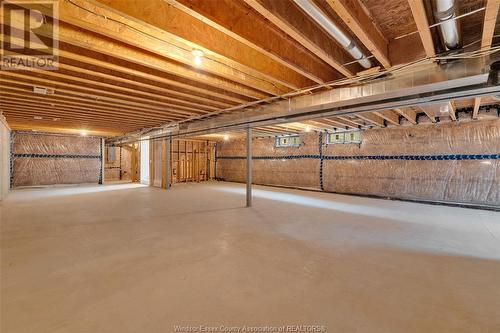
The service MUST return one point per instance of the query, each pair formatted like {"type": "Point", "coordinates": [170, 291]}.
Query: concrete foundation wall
{"type": "Point", "coordinates": [49, 159]}
{"type": "Point", "coordinates": [452, 162]}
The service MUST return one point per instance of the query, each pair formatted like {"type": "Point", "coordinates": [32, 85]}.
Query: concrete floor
{"type": "Point", "coordinates": [128, 258]}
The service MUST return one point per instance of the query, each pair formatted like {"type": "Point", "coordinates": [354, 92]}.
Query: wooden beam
{"type": "Point", "coordinates": [409, 114]}
{"type": "Point", "coordinates": [427, 113]}
{"type": "Point", "coordinates": [371, 118]}
{"type": "Point", "coordinates": [122, 97]}
{"type": "Point", "coordinates": [177, 102]}
{"type": "Point", "coordinates": [183, 22]}
{"type": "Point", "coordinates": [155, 78]}
{"type": "Point", "coordinates": [94, 42]}
{"type": "Point", "coordinates": [420, 17]}
{"type": "Point", "coordinates": [355, 123]}
{"type": "Point", "coordinates": [21, 98]}
{"type": "Point", "coordinates": [335, 123]}
{"type": "Point", "coordinates": [361, 24]}
{"type": "Point", "coordinates": [452, 110]}
{"type": "Point", "coordinates": [477, 104]}
{"type": "Point", "coordinates": [490, 19]}
{"type": "Point", "coordinates": [99, 18]}
{"type": "Point", "coordinates": [291, 21]}
{"type": "Point", "coordinates": [50, 113]}
{"type": "Point", "coordinates": [96, 101]}
{"type": "Point", "coordinates": [79, 124]}
{"type": "Point", "coordinates": [248, 27]}
{"type": "Point", "coordinates": [388, 115]}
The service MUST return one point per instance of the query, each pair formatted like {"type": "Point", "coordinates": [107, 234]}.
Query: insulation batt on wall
{"type": "Point", "coordinates": [452, 162]}
{"type": "Point", "coordinates": [48, 159]}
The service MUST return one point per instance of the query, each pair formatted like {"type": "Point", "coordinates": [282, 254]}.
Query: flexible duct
{"type": "Point", "coordinates": [347, 43]}
{"type": "Point", "coordinates": [445, 12]}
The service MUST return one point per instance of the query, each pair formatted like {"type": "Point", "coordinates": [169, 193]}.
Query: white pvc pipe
{"type": "Point", "coordinates": [336, 32]}
{"type": "Point", "coordinates": [449, 29]}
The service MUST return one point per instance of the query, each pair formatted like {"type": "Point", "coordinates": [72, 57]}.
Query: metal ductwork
{"type": "Point", "coordinates": [333, 30]}
{"type": "Point", "coordinates": [445, 14]}
{"type": "Point", "coordinates": [429, 85]}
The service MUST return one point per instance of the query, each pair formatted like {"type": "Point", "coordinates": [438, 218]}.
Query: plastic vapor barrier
{"type": "Point", "coordinates": [48, 159]}
{"type": "Point", "coordinates": [455, 162]}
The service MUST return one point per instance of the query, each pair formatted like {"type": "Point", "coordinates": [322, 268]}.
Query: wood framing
{"type": "Point", "coordinates": [475, 110]}
{"type": "Point", "coordinates": [490, 19]}
{"type": "Point", "coordinates": [358, 20]}
{"type": "Point", "coordinates": [307, 35]}
{"type": "Point", "coordinates": [420, 17]}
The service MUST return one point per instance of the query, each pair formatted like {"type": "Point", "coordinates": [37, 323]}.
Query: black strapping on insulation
{"type": "Point", "coordinates": [58, 156]}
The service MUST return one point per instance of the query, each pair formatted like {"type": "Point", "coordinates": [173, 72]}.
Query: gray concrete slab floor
{"type": "Point", "coordinates": [130, 258]}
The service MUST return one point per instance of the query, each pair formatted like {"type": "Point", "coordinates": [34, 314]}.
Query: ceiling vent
{"type": "Point", "coordinates": [43, 91]}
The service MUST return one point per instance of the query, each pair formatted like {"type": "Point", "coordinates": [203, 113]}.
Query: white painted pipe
{"type": "Point", "coordinates": [340, 36]}
{"type": "Point", "coordinates": [445, 11]}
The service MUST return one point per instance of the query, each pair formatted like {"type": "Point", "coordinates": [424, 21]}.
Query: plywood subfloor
{"type": "Point", "coordinates": [127, 258]}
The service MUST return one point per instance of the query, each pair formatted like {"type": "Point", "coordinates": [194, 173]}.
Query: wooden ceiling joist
{"type": "Point", "coordinates": [25, 123]}
{"type": "Point", "coordinates": [281, 14]}
{"type": "Point", "coordinates": [175, 101]}
{"type": "Point", "coordinates": [475, 110]}
{"type": "Point", "coordinates": [490, 19]}
{"type": "Point", "coordinates": [175, 97]}
{"type": "Point", "coordinates": [94, 42]}
{"type": "Point", "coordinates": [193, 88]}
{"type": "Point", "coordinates": [98, 18]}
{"type": "Point", "coordinates": [123, 98]}
{"type": "Point", "coordinates": [247, 26]}
{"type": "Point", "coordinates": [357, 19]}
{"type": "Point", "coordinates": [371, 118]}
{"type": "Point", "coordinates": [409, 115]}
{"type": "Point", "coordinates": [87, 99]}
{"type": "Point", "coordinates": [452, 110]}
{"type": "Point", "coordinates": [168, 17]}
{"type": "Point", "coordinates": [56, 113]}
{"type": "Point", "coordinates": [84, 106]}
{"type": "Point", "coordinates": [420, 17]}
{"type": "Point", "coordinates": [354, 123]}
{"type": "Point", "coordinates": [427, 113]}
{"type": "Point", "coordinates": [389, 116]}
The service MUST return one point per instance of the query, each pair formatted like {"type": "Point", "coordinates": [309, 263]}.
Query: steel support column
{"type": "Point", "coordinates": [249, 167]}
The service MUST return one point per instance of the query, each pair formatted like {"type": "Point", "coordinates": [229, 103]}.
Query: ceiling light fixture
{"type": "Point", "coordinates": [198, 54]}
{"type": "Point", "coordinates": [83, 133]}
{"type": "Point", "coordinates": [226, 137]}
{"type": "Point", "coordinates": [308, 128]}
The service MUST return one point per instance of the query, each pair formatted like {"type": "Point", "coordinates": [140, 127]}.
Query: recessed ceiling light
{"type": "Point", "coordinates": [83, 133]}
{"type": "Point", "coordinates": [226, 137]}
{"type": "Point", "coordinates": [37, 117]}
